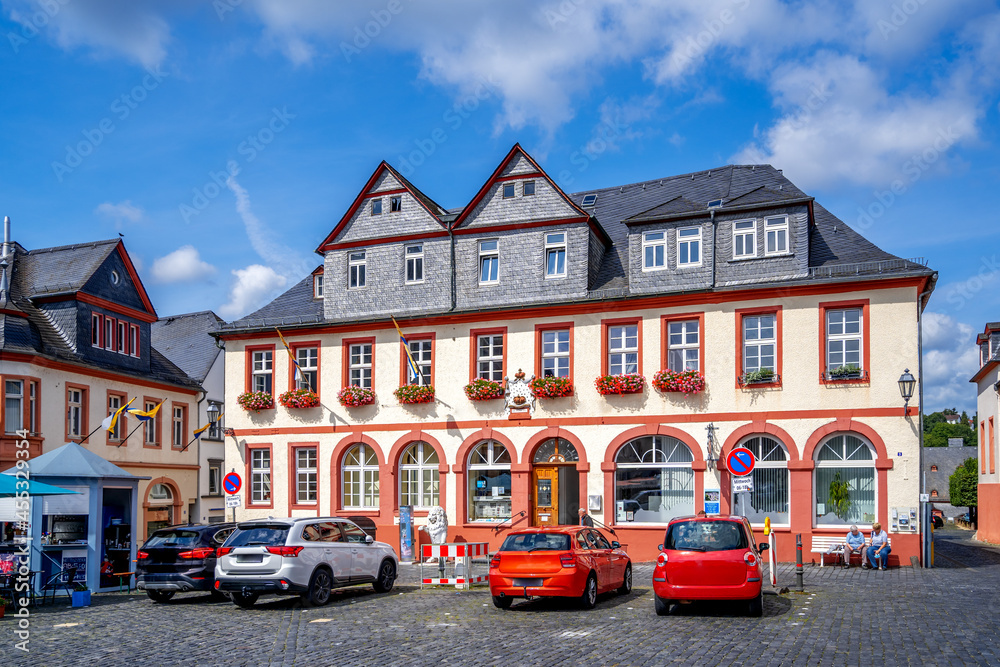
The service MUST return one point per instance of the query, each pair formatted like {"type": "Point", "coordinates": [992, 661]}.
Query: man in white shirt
{"type": "Point", "coordinates": [854, 543]}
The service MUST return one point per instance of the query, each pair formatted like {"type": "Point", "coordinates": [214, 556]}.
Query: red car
{"type": "Point", "coordinates": [564, 561]}
{"type": "Point", "coordinates": [709, 558]}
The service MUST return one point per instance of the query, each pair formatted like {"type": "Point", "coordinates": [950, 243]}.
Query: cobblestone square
{"type": "Point", "coordinates": [905, 616]}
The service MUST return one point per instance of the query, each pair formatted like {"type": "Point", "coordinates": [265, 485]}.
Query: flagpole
{"type": "Point", "coordinates": [130, 433]}
{"type": "Point", "coordinates": [90, 434]}
{"type": "Point", "coordinates": [189, 444]}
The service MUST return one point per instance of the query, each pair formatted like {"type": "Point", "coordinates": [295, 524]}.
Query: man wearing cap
{"type": "Point", "coordinates": [854, 543]}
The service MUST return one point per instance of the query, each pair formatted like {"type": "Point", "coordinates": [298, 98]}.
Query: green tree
{"type": "Point", "coordinates": [937, 435]}
{"type": "Point", "coordinates": [963, 487]}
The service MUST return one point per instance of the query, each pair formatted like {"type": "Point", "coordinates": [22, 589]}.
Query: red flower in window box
{"type": "Point", "coordinates": [482, 389]}
{"type": "Point", "coordinates": [355, 397]}
{"type": "Point", "coordinates": [299, 398]}
{"type": "Point", "coordinates": [415, 393]}
{"type": "Point", "coordinates": [255, 400]}
{"type": "Point", "coordinates": [686, 382]}
{"type": "Point", "coordinates": [628, 383]}
{"type": "Point", "coordinates": [551, 387]}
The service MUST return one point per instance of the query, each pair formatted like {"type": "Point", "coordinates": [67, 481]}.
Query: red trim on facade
{"type": "Point", "coordinates": [865, 339]}
{"type": "Point", "coordinates": [248, 480]}
{"type": "Point", "coordinates": [474, 335]}
{"type": "Point", "coordinates": [489, 229]}
{"type": "Point", "coordinates": [345, 345]}
{"type": "Point", "coordinates": [517, 177]}
{"type": "Point", "coordinates": [336, 475]}
{"type": "Point", "coordinates": [393, 463]}
{"type": "Point", "coordinates": [248, 365]}
{"type": "Point", "coordinates": [758, 427]}
{"type": "Point", "coordinates": [403, 366]}
{"type": "Point", "coordinates": [26, 382]}
{"type": "Point", "coordinates": [553, 326]}
{"type": "Point", "coordinates": [293, 489]}
{"type": "Point", "coordinates": [116, 308]}
{"type": "Point", "coordinates": [382, 193]}
{"type": "Point", "coordinates": [134, 275]}
{"type": "Point", "coordinates": [122, 425]}
{"type": "Point", "coordinates": [760, 310]}
{"type": "Point", "coordinates": [295, 346]}
{"type": "Point", "coordinates": [43, 362]}
{"type": "Point", "coordinates": [398, 238]}
{"type": "Point", "coordinates": [84, 412]}
{"type": "Point", "coordinates": [157, 423]}
{"type": "Point", "coordinates": [665, 320]}
{"type": "Point", "coordinates": [13, 313]}
{"type": "Point", "coordinates": [527, 462]}
{"type": "Point", "coordinates": [982, 447]}
{"type": "Point", "coordinates": [147, 505]}
{"type": "Point", "coordinates": [460, 467]}
{"type": "Point", "coordinates": [605, 338]}
{"type": "Point", "coordinates": [992, 445]}
{"type": "Point", "coordinates": [184, 424]}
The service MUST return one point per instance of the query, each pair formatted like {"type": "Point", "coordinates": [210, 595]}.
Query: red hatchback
{"type": "Point", "coordinates": [565, 561]}
{"type": "Point", "coordinates": [708, 558]}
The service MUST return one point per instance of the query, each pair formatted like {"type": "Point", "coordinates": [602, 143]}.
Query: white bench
{"type": "Point", "coordinates": [825, 545]}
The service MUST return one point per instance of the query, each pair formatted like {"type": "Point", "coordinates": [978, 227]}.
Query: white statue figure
{"type": "Point", "coordinates": [519, 395]}
{"type": "Point", "coordinates": [437, 527]}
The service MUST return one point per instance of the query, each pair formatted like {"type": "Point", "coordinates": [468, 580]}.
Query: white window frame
{"type": "Point", "coordinates": [360, 368]}
{"type": "Point", "coordinates": [96, 329]}
{"type": "Point", "coordinates": [177, 426]}
{"type": "Point", "coordinates": [688, 351]}
{"type": "Point", "coordinates": [843, 338]}
{"type": "Point", "coordinates": [17, 413]}
{"type": "Point", "coordinates": [758, 342]}
{"type": "Point", "coordinates": [557, 349]}
{"type": "Point", "coordinates": [422, 350]}
{"type": "Point", "coordinates": [845, 462]}
{"type": "Point", "coordinates": [762, 452]}
{"type": "Point", "coordinates": [134, 340]}
{"type": "Point", "coordinates": [664, 453]}
{"type": "Point", "coordinates": [318, 286]}
{"type": "Point", "coordinates": [778, 226]}
{"type": "Point", "coordinates": [494, 362]}
{"type": "Point", "coordinates": [215, 477]}
{"type": "Point", "coordinates": [115, 402]}
{"type": "Point", "coordinates": [357, 269]}
{"type": "Point", "coordinates": [619, 349]}
{"type": "Point", "coordinates": [649, 243]}
{"type": "Point", "coordinates": [262, 371]}
{"type": "Point", "coordinates": [304, 474]}
{"type": "Point", "coordinates": [363, 476]}
{"type": "Point", "coordinates": [261, 487]}
{"type": "Point", "coordinates": [426, 473]}
{"type": "Point", "coordinates": [691, 241]}
{"type": "Point", "coordinates": [748, 235]}
{"type": "Point", "coordinates": [489, 255]}
{"type": "Point", "coordinates": [308, 360]}
{"type": "Point", "coordinates": [74, 412]}
{"type": "Point", "coordinates": [555, 247]}
{"type": "Point", "coordinates": [109, 333]}
{"type": "Point", "coordinates": [149, 426]}
{"type": "Point", "coordinates": [488, 456]}
{"type": "Point", "coordinates": [414, 255]}
{"type": "Point", "coordinates": [32, 406]}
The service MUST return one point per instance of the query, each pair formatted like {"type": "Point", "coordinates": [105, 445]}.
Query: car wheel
{"type": "Point", "coordinates": [319, 589]}
{"type": "Point", "coordinates": [386, 577]}
{"type": "Point", "coordinates": [626, 587]}
{"type": "Point", "coordinates": [756, 606]}
{"type": "Point", "coordinates": [662, 606]}
{"type": "Point", "coordinates": [245, 600]}
{"type": "Point", "coordinates": [589, 597]}
{"type": "Point", "coordinates": [159, 596]}
{"type": "Point", "coordinates": [502, 602]}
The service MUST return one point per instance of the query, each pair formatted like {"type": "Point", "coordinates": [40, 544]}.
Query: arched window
{"type": "Point", "coordinates": [934, 469]}
{"type": "Point", "coordinates": [489, 482]}
{"type": "Point", "coordinates": [934, 493]}
{"type": "Point", "coordinates": [845, 481]}
{"type": "Point", "coordinates": [160, 493]}
{"type": "Point", "coordinates": [360, 478]}
{"type": "Point", "coordinates": [769, 497]}
{"type": "Point", "coordinates": [653, 480]}
{"type": "Point", "coordinates": [419, 479]}
{"type": "Point", "coordinates": [556, 450]}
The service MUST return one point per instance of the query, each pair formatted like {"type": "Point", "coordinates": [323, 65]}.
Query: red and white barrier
{"type": "Point", "coordinates": [462, 550]}
{"type": "Point", "coordinates": [463, 553]}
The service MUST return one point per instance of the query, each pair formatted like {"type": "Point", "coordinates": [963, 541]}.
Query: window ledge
{"type": "Point", "coordinates": [737, 260]}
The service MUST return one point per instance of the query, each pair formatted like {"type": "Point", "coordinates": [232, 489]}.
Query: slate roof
{"type": "Point", "coordinates": [73, 460]}
{"type": "Point", "coordinates": [63, 270]}
{"type": "Point", "coordinates": [947, 459]}
{"type": "Point", "coordinates": [184, 340]}
{"type": "Point", "coordinates": [836, 251]}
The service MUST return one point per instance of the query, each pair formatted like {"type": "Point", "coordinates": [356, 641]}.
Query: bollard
{"type": "Point", "coordinates": [798, 561]}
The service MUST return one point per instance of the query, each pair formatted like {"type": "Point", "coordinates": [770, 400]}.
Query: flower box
{"type": "Point", "coordinates": [849, 372]}
{"type": "Point", "coordinates": [355, 397]}
{"type": "Point", "coordinates": [255, 400]}
{"type": "Point", "coordinates": [482, 389]}
{"type": "Point", "coordinates": [409, 394]}
{"type": "Point", "coordinates": [551, 387]}
{"type": "Point", "coordinates": [299, 398]}
{"type": "Point", "coordinates": [762, 376]}
{"type": "Point", "coordinates": [685, 382]}
{"type": "Point", "coordinates": [628, 383]}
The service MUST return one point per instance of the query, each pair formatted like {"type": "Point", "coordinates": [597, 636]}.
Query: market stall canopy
{"type": "Point", "coordinates": [9, 488]}
{"type": "Point", "coordinates": [73, 460]}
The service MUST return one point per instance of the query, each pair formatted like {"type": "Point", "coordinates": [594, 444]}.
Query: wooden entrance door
{"type": "Point", "coordinates": [545, 495]}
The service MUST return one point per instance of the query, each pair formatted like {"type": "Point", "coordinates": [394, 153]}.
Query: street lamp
{"type": "Point", "coordinates": [213, 413]}
{"type": "Point", "coordinates": [906, 384]}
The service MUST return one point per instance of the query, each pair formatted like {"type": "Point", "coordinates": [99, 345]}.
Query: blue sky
{"type": "Point", "coordinates": [128, 116]}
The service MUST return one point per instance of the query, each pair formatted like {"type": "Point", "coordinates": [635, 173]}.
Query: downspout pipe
{"type": "Point", "coordinates": [925, 539]}
{"type": "Point", "coordinates": [454, 269]}
{"type": "Point", "coordinates": [715, 242]}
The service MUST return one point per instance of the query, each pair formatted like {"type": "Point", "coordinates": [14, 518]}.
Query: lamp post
{"type": "Point", "coordinates": [906, 385]}
{"type": "Point", "coordinates": [213, 414]}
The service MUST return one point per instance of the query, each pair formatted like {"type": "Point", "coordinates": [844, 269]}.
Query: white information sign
{"type": "Point", "coordinates": [742, 484]}
{"type": "Point", "coordinates": [233, 501]}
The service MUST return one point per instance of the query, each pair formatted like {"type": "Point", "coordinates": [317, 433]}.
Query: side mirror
{"type": "Point", "coordinates": [763, 546]}
{"type": "Point", "coordinates": [659, 547]}
{"type": "Point", "coordinates": [369, 539]}
{"type": "Point", "coordinates": [616, 545]}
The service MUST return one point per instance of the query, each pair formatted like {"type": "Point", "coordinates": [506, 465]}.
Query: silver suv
{"type": "Point", "coordinates": [301, 556]}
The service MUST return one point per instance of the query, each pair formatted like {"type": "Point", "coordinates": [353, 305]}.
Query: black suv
{"type": "Point", "coordinates": [180, 559]}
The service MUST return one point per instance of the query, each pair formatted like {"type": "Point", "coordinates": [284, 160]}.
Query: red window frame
{"type": "Point", "coordinates": [84, 411]}
{"type": "Point", "coordinates": [248, 363]}
{"type": "Point", "coordinates": [760, 310]}
{"type": "Point", "coordinates": [345, 344]}
{"type": "Point", "coordinates": [122, 426]}
{"type": "Point", "coordinates": [992, 446]}
{"type": "Point", "coordinates": [184, 424]}
{"type": "Point", "coordinates": [865, 338]}
{"type": "Point", "coordinates": [134, 349]}
{"type": "Point", "coordinates": [982, 446]}
{"type": "Point", "coordinates": [248, 503]}
{"type": "Point", "coordinates": [293, 488]}
{"type": "Point", "coordinates": [295, 351]}
{"type": "Point", "coordinates": [552, 326]}
{"type": "Point", "coordinates": [96, 330]}
{"type": "Point", "coordinates": [26, 383]}
{"type": "Point", "coordinates": [665, 321]}
{"type": "Point", "coordinates": [474, 335]}
{"type": "Point", "coordinates": [109, 333]}
{"type": "Point", "coordinates": [157, 423]}
{"type": "Point", "coordinates": [403, 375]}
{"type": "Point", "coordinates": [121, 337]}
{"type": "Point", "coordinates": [605, 339]}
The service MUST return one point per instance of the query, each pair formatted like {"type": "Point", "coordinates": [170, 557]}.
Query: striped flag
{"type": "Point", "coordinates": [109, 422]}
{"type": "Point", "coordinates": [146, 415]}
{"type": "Point", "coordinates": [409, 355]}
{"type": "Point", "coordinates": [291, 357]}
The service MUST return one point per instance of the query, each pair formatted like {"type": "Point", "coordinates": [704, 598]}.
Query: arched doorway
{"type": "Point", "coordinates": [160, 508]}
{"type": "Point", "coordinates": [555, 484]}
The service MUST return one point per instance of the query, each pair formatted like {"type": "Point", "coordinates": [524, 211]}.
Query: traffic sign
{"type": "Point", "coordinates": [740, 461]}
{"type": "Point", "coordinates": [743, 484]}
{"type": "Point", "coordinates": [232, 483]}
{"type": "Point", "coordinates": [232, 501]}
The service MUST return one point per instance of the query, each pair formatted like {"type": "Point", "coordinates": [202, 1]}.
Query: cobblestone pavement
{"type": "Point", "coordinates": [943, 616]}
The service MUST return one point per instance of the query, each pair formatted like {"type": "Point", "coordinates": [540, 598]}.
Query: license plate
{"type": "Point", "coordinates": [250, 558]}
{"type": "Point", "coordinates": [528, 582]}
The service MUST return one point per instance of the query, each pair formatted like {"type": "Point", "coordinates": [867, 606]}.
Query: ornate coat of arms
{"type": "Point", "coordinates": [519, 396]}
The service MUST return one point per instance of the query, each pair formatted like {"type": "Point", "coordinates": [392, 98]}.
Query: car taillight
{"type": "Point", "coordinates": [569, 560]}
{"type": "Point", "coordinates": [495, 561]}
{"type": "Point", "coordinates": [222, 551]}
{"type": "Point", "coordinates": [200, 552]}
{"type": "Point", "coordinates": [284, 551]}
{"type": "Point", "coordinates": [661, 560]}
{"type": "Point", "coordinates": [141, 554]}
{"type": "Point", "coordinates": [749, 558]}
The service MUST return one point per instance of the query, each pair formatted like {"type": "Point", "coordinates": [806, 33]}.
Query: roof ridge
{"type": "Point", "coordinates": [73, 246]}
{"type": "Point", "coordinates": [673, 178]}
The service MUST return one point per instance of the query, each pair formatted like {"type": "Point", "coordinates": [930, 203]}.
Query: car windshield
{"type": "Point", "coordinates": [536, 542]}
{"type": "Point", "coordinates": [172, 538]}
{"type": "Point", "coordinates": [250, 535]}
{"type": "Point", "coordinates": [705, 536]}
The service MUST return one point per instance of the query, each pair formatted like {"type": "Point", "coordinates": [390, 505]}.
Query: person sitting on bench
{"type": "Point", "coordinates": [854, 543]}
{"type": "Point", "coordinates": [878, 552]}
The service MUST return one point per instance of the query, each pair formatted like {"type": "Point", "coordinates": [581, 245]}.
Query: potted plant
{"type": "Point", "coordinates": [846, 372]}
{"type": "Point", "coordinates": [482, 389]}
{"type": "Point", "coordinates": [81, 596]}
{"type": "Point", "coordinates": [760, 376]}
{"type": "Point", "coordinates": [355, 397]}
{"type": "Point", "coordinates": [299, 399]}
{"type": "Point", "coordinates": [415, 393]}
{"type": "Point", "coordinates": [551, 387]}
{"type": "Point", "coordinates": [255, 400]}
{"type": "Point", "coordinates": [626, 383]}
{"type": "Point", "coordinates": [687, 382]}
{"type": "Point", "coordinates": [840, 497]}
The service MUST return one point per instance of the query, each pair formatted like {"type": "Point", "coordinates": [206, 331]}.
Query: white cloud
{"type": "Point", "coordinates": [950, 359]}
{"type": "Point", "coordinates": [120, 213]}
{"type": "Point", "coordinates": [265, 242]}
{"type": "Point", "coordinates": [183, 265]}
{"type": "Point", "coordinates": [253, 287]}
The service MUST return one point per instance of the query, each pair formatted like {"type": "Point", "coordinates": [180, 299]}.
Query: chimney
{"type": "Point", "coordinates": [6, 236]}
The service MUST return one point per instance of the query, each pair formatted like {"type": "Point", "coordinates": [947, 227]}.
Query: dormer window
{"type": "Point", "coordinates": [508, 190]}
{"type": "Point", "coordinates": [555, 255]}
{"type": "Point", "coordinates": [654, 251]}
{"type": "Point", "coordinates": [415, 263]}
{"type": "Point", "coordinates": [377, 206]}
{"type": "Point", "coordinates": [744, 239]}
{"type": "Point", "coordinates": [529, 188]}
{"type": "Point", "coordinates": [395, 204]}
{"type": "Point", "coordinates": [776, 235]}
{"type": "Point", "coordinates": [689, 246]}
{"type": "Point", "coordinates": [489, 261]}
{"type": "Point", "coordinates": [318, 286]}
{"type": "Point", "coordinates": [357, 270]}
